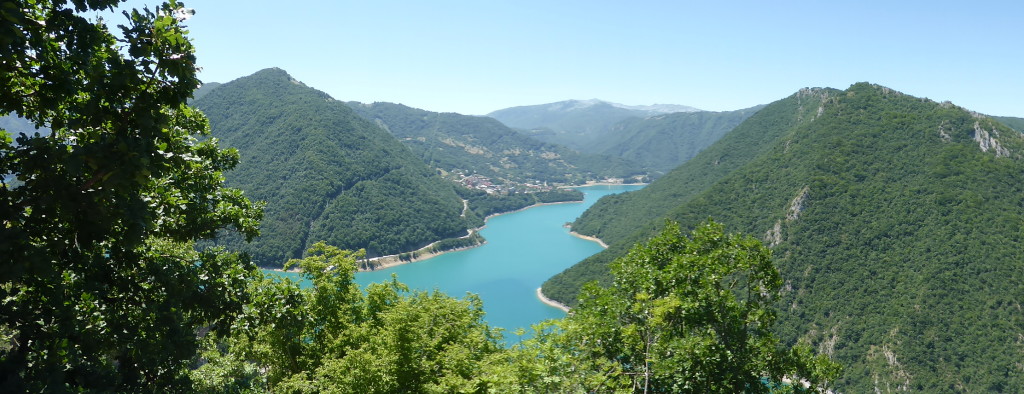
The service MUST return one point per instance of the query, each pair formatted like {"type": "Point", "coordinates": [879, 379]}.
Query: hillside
{"type": "Point", "coordinates": [14, 125]}
{"type": "Point", "coordinates": [733, 151]}
{"type": "Point", "coordinates": [577, 124]}
{"type": "Point", "coordinates": [204, 89]}
{"type": "Point", "coordinates": [325, 173]}
{"type": "Point", "coordinates": [663, 142]}
{"type": "Point", "coordinates": [455, 143]}
{"type": "Point", "coordinates": [896, 222]}
{"type": "Point", "coordinates": [659, 140]}
{"type": "Point", "coordinates": [1014, 123]}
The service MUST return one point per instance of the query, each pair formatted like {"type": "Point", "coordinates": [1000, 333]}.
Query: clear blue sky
{"type": "Point", "coordinates": [474, 57]}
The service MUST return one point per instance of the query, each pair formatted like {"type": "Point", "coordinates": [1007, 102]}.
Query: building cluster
{"type": "Point", "coordinates": [481, 182]}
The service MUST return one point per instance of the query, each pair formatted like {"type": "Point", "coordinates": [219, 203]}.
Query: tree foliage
{"type": "Point", "coordinates": [333, 337]}
{"type": "Point", "coordinates": [100, 286]}
{"type": "Point", "coordinates": [691, 314]}
{"type": "Point", "coordinates": [685, 315]}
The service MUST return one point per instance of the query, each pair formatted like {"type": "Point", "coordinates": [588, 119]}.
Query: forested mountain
{"type": "Point", "coordinates": [325, 172]}
{"type": "Point", "coordinates": [659, 141]}
{"type": "Point", "coordinates": [479, 145]}
{"type": "Point", "coordinates": [897, 224]}
{"type": "Point", "coordinates": [575, 123]}
{"type": "Point", "coordinates": [663, 142]}
{"type": "Point", "coordinates": [1014, 123]}
{"type": "Point", "coordinates": [204, 89]}
{"type": "Point", "coordinates": [15, 125]}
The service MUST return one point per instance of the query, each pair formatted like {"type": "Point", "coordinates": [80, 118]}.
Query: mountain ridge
{"type": "Point", "coordinates": [326, 173]}
{"type": "Point", "coordinates": [453, 142]}
{"type": "Point", "coordinates": [896, 222]}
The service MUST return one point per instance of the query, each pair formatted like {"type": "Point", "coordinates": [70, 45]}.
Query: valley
{"type": "Point", "coordinates": [798, 172]}
{"type": "Point", "coordinates": [366, 197]}
{"type": "Point", "coordinates": [888, 215]}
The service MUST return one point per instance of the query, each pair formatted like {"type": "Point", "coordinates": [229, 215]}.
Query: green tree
{"type": "Point", "coordinates": [100, 286]}
{"type": "Point", "coordinates": [331, 337]}
{"type": "Point", "coordinates": [690, 315]}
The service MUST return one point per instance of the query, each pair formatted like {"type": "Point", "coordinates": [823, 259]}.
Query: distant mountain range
{"type": "Point", "coordinates": [470, 145]}
{"type": "Point", "coordinates": [658, 137]}
{"type": "Point", "coordinates": [14, 125]}
{"type": "Point", "coordinates": [660, 143]}
{"type": "Point", "coordinates": [897, 224]}
{"type": "Point", "coordinates": [576, 123]}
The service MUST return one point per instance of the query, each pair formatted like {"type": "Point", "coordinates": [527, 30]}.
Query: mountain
{"type": "Point", "coordinates": [658, 108]}
{"type": "Point", "coordinates": [14, 125]}
{"type": "Point", "coordinates": [455, 143]}
{"type": "Point", "coordinates": [574, 123]}
{"type": "Point", "coordinates": [896, 222]}
{"type": "Point", "coordinates": [205, 89]}
{"type": "Point", "coordinates": [325, 172]}
{"type": "Point", "coordinates": [658, 137]}
{"type": "Point", "coordinates": [1014, 123]}
{"type": "Point", "coordinates": [663, 142]}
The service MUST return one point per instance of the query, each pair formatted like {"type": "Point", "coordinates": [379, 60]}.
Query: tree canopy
{"type": "Point", "coordinates": [100, 287]}
{"type": "Point", "coordinates": [333, 337]}
{"type": "Point", "coordinates": [691, 314]}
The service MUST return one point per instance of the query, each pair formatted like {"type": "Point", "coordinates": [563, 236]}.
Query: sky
{"type": "Point", "coordinates": [475, 57]}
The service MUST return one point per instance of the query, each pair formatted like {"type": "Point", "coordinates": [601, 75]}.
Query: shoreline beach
{"type": "Point", "coordinates": [550, 302]}
{"type": "Point", "coordinates": [588, 238]}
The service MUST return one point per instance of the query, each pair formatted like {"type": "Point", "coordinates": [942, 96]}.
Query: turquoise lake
{"type": "Point", "coordinates": [523, 249]}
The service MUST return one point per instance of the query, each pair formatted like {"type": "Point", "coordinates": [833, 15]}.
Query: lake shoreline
{"type": "Point", "coordinates": [588, 238]}
{"type": "Point", "coordinates": [550, 302]}
{"type": "Point", "coordinates": [606, 184]}
{"type": "Point", "coordinates": [393, 260]}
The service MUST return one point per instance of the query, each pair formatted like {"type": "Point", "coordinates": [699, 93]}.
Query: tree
{"type": "Point", "coordinates": [690, 315]}
{"type": "Point", "coordinates": [331, 337]}
{"type": "Point", "coordinates": [100, 285]}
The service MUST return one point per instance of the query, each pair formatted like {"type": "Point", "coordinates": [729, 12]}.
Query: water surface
{"type": "Point", "coordinates": [523, 250]}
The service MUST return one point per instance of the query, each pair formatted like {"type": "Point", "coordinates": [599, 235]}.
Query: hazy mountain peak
{"type": "Point", "coordinates": [659, 108]}
{"type": "Point", "coordinates": [573, 105]}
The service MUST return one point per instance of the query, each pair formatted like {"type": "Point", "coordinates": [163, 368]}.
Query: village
{"type": "Point", "coordinates": [484, 183]}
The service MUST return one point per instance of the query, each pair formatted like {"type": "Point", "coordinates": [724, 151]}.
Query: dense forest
{"type": "Point", "coordinates": [470, 145]}
{"type": "Point", "coordinates": [663, 142]}
{"type": "Point", "coordinates": [1014, 123]}
{"type": "Point", "coordinates": [733, 151]}
{"type": "Point", "coordinates": [325, 173]}
{"type": "Point", "coordinates": [897, 222]}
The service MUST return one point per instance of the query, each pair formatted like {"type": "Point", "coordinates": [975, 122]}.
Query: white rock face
{"type": "Point", "coordinates": [987, 141]}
